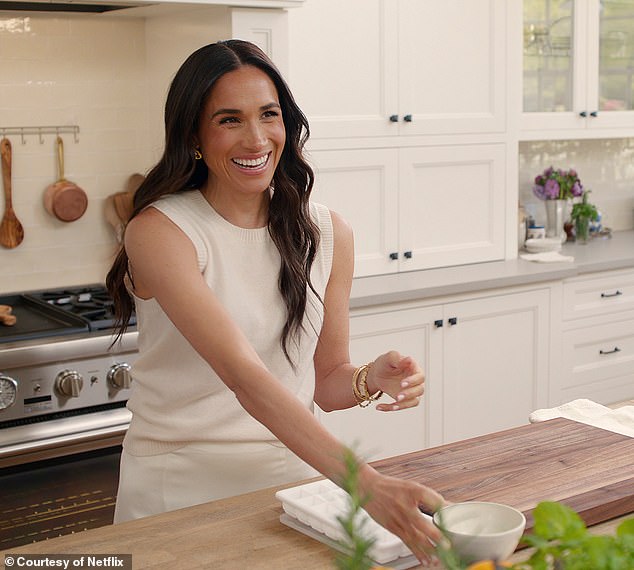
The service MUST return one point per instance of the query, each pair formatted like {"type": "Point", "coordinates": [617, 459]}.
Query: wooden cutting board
{"type": "Point", "coordinates": [589, 469]}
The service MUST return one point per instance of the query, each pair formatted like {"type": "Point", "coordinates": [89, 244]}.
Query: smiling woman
{"type": "Point", "coordinates": [241, 286]}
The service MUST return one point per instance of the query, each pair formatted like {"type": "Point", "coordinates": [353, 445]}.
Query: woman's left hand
{"type": "Point", "coordinates": [398, 376]}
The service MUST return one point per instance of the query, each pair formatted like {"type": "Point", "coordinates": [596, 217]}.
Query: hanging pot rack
{"type": "Point", "coordinates": [23, 132]}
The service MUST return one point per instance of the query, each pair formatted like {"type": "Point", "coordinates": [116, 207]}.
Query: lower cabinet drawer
{"type": "Point", "coordinates": [598, 361]}
{"type": "Point", "coordinates": [594, 296]}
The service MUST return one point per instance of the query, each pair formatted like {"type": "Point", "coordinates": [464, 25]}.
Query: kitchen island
{"type": "Point", "coordinates": [553, 460]}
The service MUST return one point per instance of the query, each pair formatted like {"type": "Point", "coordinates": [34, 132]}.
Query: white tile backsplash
{"type": "Point", "coordinates": [83, 70]}
{"type": "Point", "coordinates": [605, 166]}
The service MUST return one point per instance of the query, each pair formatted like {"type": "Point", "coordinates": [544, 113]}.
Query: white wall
{"type": "Point", "coordinates": [72, 70]}
{"type": "Point", "coordinates": [605, 166]}
{"type": "Point", "coordinates": [109, 75]}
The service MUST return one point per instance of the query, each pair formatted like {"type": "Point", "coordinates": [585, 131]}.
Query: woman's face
{"type": "Point", "coordinates": [242, 133]}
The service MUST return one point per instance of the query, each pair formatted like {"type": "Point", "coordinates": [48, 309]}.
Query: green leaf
{"type": "Point", "coordinates": [556, 521]}
{"type": "Point", "coordinates": [626, 528]}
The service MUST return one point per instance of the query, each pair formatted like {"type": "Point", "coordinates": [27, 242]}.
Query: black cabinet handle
{"type": "Point", "coordinates": [583, 114]}
{"type": "Point", "coordinates": [615, 349]}
{"type": "Point", "coordinates": [615, 294]}
{"type": "Point", "coordinates": [408, 255]}
{"type": "Point", "coordinates": [407, 118]}
{"type": "Point", "coordinates": [453, 321]}
{"type": "Point", "coordinates": [393, 256]}
{"type": "Point", "coordinates": [393, 118]}
{"type": "Point", "coordinates": [594, 114]}
{"type": "Point", "coordinates": [438, 323]}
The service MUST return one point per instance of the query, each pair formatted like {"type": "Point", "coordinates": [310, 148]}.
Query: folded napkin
{"type": "Point", "coordinates": [546, 257]}
{"type": "Point", "coordinates": [620, 420]}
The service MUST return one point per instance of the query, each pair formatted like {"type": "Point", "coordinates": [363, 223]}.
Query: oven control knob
{"type": "Point", "coordinates": [119, 376]}
{"type": "Point", "coordinates": [69, 383]}
{"type": "Point", "coordinates": [8, 391]}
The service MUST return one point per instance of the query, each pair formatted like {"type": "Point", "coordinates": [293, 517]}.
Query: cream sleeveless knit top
{"type": "Point", "coordinates": [177, 398]}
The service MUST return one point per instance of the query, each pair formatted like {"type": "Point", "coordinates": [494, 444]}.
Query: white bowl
{"type": "Point", "coordinates": [480, 530]}
{"type": "Point", "coordinates": [541, 245]}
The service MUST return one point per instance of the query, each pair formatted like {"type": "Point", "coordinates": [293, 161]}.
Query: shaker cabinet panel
{"type": "Point", "coordinates": [419, 207]}
{"type": "Point", "coordinates": [402, 67]}
{"type": "Point", "coordinates": [452, 203]}
{"type": "Point", "coordinates": [495, 363]}
{"type": "Point", "coordinates": [598, 360]}
{"type": "Point", "coordinates": [362, 186]}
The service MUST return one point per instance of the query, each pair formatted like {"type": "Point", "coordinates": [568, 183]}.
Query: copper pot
{"type": "Point", "coordinates": [64, 199]}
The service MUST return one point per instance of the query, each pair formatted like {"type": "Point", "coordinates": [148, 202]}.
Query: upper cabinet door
{"type": "Point", "coordinates": [422, 67]}
{"type": "Point", "coordinates": [578, 59]}
{"type": "Point", "coordinates": [345, 77]}
{"type": "Point", "coordinates": [451, 57]}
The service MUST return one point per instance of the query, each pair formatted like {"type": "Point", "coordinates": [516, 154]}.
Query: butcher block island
{"type": "Point", "coordinates": [587, 468]}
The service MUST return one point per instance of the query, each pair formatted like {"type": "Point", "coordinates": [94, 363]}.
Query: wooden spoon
{"type": "Point", "coordinates": [11, 231]}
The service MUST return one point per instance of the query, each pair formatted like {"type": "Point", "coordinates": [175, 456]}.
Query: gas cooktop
{"type": "Point", "coordinates": [63, 311]}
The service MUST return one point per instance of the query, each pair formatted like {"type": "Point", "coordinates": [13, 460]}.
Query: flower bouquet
{"type": "Point", "coordinates": [555, 188]}
{"type": "Point", "coordinates": [557, 184]}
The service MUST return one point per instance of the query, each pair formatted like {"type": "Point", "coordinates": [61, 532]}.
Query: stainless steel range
{"type": "Point", "coordinates": [62, 387]}
{"type": "Point", "coordinates": [63, 390]}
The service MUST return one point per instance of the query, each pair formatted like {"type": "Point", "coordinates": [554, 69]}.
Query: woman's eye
{"type": "Point", "coordinates": [228, 120]}
{"type": "Point", "coordinates": [271, 114]}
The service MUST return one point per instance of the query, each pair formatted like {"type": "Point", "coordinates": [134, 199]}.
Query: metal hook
{"type": "Point", "coordinates": [76, 133]}
{"type": "Point", "coordinates": [22, 136]}
{"type": "Point", "coordinates": [40, 135]}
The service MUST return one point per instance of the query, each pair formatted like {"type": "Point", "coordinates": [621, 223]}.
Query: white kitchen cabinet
{"type": "Point", "coordinates": [423, 68]}
{"type": "Point", "coordinates": [495, 363]}
{"type": "Point", "coordinates": [577, 68]}
{"type": "Point", "coordinates": [417, 207]}
{"type": "Point", "coordinates": [597, 339]}
{"type": "Point", "coordinates": [485, 359]}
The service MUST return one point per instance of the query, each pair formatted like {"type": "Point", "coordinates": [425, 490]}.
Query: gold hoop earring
{"type": "Point", "coordinates": [197, 154]}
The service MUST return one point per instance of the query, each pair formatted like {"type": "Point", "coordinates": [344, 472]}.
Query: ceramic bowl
{"type": "Point", "coordinates": [480, 530]}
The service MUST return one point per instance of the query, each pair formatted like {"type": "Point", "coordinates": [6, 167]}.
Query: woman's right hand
{"type": "Point", "coordinates": [396, 505]}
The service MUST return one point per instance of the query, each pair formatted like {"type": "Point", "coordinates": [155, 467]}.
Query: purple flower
{"type": "Point", "coordinates": [551, 189]}
{"type": "Point", "coordinates": [539, 191]}
{"type": "Point", "coordinates": [577, 189]}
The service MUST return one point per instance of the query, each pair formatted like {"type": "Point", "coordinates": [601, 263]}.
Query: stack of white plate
{"type": "Point", "coordinates": [542, 245]}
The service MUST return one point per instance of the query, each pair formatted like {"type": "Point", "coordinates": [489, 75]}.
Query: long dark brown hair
{"type": "Point", "coordinates": [293, 232]}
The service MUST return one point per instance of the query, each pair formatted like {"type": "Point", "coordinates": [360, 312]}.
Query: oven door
{"type": "Point", "coordinates": [58, 496]}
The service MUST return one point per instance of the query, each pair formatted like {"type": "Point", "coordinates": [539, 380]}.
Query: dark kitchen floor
{"type": "Point", "coordinates": [57, 497]}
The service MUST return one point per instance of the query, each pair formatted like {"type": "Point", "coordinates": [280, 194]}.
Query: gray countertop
{"type": "Point", "coordinates": [600, 254]}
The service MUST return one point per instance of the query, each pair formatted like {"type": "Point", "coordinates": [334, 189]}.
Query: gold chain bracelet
{"type": "Point", "coordinates": [360, 386]}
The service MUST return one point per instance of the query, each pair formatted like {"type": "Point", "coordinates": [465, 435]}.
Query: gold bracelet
{"type": "Point", "coordinates": [360, 386]}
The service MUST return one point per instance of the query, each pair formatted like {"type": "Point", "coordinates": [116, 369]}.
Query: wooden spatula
{"type": "Point", "coordinates": [11, 231]}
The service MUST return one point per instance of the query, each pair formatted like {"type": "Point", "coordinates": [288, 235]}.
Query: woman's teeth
{"type": "Point", "coordinates": [251, 162]}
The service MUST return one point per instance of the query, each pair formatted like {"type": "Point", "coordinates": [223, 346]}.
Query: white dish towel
{"type": "Point", "coordinates": [620, 420]}
{"type": "Point", "coordinates": [547, 257]}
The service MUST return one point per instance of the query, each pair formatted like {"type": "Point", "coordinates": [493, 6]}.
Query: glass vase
{"type": "Point", "coordinates": [555, 218]}
{"type": "Point", "coordinates": [582, 230]}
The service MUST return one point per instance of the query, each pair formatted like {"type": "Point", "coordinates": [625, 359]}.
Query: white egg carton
{"type": "Point", "coordinates": [313, 509]}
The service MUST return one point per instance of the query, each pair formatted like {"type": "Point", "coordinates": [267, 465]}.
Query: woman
{"type": "Point", "coordinates": [241, 288]}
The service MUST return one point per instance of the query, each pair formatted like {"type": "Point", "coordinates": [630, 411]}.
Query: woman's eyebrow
{"type": "Point", "coordinates": [226, 111]}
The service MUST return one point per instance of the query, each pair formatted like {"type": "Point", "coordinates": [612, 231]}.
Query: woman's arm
{"type": "Point", "coordinates": [164, 266]}
{"type": "Point", "coordinates": [333, 370]}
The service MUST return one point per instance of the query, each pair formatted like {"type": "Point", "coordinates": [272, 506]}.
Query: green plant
{"type": "Point", "coordinates": [584, 209]}
{"type": "Point", "coordinates": [562, 542]}
{"type": "Point", "coordinates": [356, 546]}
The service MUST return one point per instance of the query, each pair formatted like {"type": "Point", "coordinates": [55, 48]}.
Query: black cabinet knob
{"type": "Point", "coordinates": [583, 114]}
{"type": "Point", "coordinates": [393, 256]}
{"type": "Point", "coordinates": [594, 114]}
{"type": "Point", "coordinates": [438, 323]}
{"type": "Point", "coordinates": [407, 118]}
{"type": "Point", "coordinates": [453, 321]}
{"type": "Point", "coordinates": [394, 118]}
{"type": "Point", "coordinates": [408, 255]}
